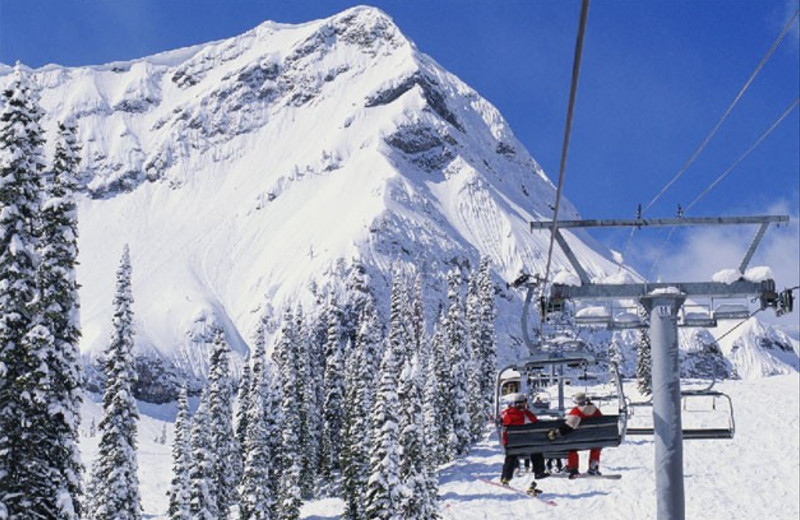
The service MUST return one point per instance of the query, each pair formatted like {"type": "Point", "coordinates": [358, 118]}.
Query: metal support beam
{"type": "Point", "coordinates": [752, 248]}
{"type": "Point", "coordinates": [573, 260]}
{"type": "Point", "coordinates": [665, 370]}
{"type": "Point", "coordinates": [650, 222]}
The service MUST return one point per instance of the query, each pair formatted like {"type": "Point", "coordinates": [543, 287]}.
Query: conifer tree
{"type": "Point", "coordinates": [384, 488]}
{"type": "Point", "coordinates": [430, 421]}
{"type": "Point", "coordinates": [289, 493]}
{"type": "Point", "coordinates": [355, 438]}
{"type": "Point", "coordinates": [357, 292]}
{"type": "Point", "coordinates": [417, 315]}
{"type": "Point", "coordinates": [258, 489]}
{"type": "Point", "coordinates": [644, 376]}
{"type": "Point", "coordinates": [455, 337]}
{"type": "Point", "coordinates": [333, 421]}
{"type": "Point", "coordinates": [441, 401]}
{"type": "Point", "coordinates": [487, 339]}
{"type": "Point", "coordinates": [115, 483]}
{"type": "Point", "coordinates": [202, 486]}
{"type": "Point", "coordinates": [58, 311]}
{"type": "Point", "coordinates": [369, 344]}
{"type": "Point", "coordinates": [474, 368]}
{"type": "Point", "coordinates": [418, 502]}
{"type": "Point", "coordinates": [313, 330]}
{"type": "Point", "coordinates": [308, 406]}
{"type": "Point", "coordinates": [25, 442]}
{"type": "Point", "coordinates": [243, 404]}
{"type": "Point", "coordinates": [179, 491]}
{"type": "Point", "coordinates": [220, 415]}
{"type": "Point", "coordinates": [399, 338]}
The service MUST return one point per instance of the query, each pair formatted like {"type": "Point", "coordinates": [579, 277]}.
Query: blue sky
{"type": "Point", "coordinates": [656, 78]}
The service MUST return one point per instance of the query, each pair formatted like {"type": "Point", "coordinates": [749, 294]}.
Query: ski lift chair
{"type": "Point", "coordinates": [692, 431]}
{"type": "Point", "coordinates": [718, 430]}
{"type": "Point", "coordinates": [593, 315]}
{"type": "Point", "coordinates": [595, 432]}
{"type": "Point", "coordinates": [715, 431]}
{"type": "Point", "coordinates": [696, 315]}
{"type": "Point", "coordinates": [731, 310]}
{"type": "Point", "coordinates": [625, 318]}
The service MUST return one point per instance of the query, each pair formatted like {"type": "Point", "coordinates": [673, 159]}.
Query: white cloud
{"type": "Point", "coordinates": [698, 253]}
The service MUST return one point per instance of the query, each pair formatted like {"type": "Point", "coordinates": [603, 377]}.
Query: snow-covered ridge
{"type": "Point", "coordinates": [241, 170]}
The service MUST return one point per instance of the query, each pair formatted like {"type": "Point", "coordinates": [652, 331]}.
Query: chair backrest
{"type": "Point", "coordinates": [593, 432]}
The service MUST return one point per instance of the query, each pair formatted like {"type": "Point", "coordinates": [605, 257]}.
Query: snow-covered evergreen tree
{"type": "Point", "coordinates": [179, 490]}
{"type": "Point", "coordinates": [644, 375]}
{"type": "Point", "coordinates": [455, 338]}
{"type": "Point", "coordinates": [417, 315]}
{"type": "Point", "coordinates": [58, 311]}
{"type": "Point", "coordinates": [440, 403]}
{"type": "Point", "coordinates": [474, 365]}
{"type": "Point", "coordinates": [333, 420]}
{"type": "Point", "coordinates": [24, 485]}
{"type": "Point", "coordinates": [310, 370]}
{"type": "Point", "coordinates": [430, 421]}
{"type": "Point", "coordinates": [220, 416]}
{"type": "Point", "coordinates": [420, 500]}
{"type": "Point", "coordinates": [289, 493]}
{"type": "Point", "coordinates": [257, 490]}
{"type": "Point", "coordinates": [242, 404]}
{"type": "Point", "coordinates": [202, 486]}
{"type": "Point", "coordinates": [385, 490]}
{"type": "Point", "coordinates": [487, 339]}
{"type": "Point", "coordinates": [369, 345]}
{"type": "Point", "coordinates": [399, 337]}
{"type": "Point", "coordinates": [355, 438]}
{"type": "Point", "coordinates": [356, 292]}
{"type": "Point", "coordinates": [115, 483]}
{"type": "Point", "coordinates": [40, 472]}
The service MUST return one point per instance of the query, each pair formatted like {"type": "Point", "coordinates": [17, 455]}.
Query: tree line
{"type": "Point", "coordinates": [347, 404]}
{"type": "Point", "coordinates": [344, 406]}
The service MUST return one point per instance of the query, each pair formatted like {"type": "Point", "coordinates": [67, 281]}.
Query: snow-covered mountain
{"type": "Point", "coordinates": [246, 172]}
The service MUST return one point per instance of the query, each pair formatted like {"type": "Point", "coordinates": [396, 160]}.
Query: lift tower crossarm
{"type": "Point", "coordinates": [647, 222]}
{"type": "Point", "coordinates": [735, 289]}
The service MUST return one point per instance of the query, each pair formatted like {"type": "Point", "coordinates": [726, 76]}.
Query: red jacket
{"type": "Point", "coordinates": [512, 415]}
{"type": "Point", "coordinates": [577, 414]}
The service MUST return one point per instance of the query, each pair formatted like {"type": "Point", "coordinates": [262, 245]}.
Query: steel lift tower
{"type": "Point", "coordinates": [663, 301]}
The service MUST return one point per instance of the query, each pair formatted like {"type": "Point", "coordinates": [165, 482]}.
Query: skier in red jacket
{"type": "Point", "coordinates": [516, 414]}
{"type": "Point", "coordinates": [583, 409]}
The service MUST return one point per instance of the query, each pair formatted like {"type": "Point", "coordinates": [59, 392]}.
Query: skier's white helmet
{"type": "Point", "coordinates": [518, 398]}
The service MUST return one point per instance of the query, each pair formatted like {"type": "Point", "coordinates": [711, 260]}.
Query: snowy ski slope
{"type": "Point", "coordinates": [755, 475]}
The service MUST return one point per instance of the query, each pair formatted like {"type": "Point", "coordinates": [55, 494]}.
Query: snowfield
{"type": "Point", "coordinates": [755, 475]}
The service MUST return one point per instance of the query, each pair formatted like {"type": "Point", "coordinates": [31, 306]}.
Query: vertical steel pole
{"type": "Point", "coordinates": [663, 310]}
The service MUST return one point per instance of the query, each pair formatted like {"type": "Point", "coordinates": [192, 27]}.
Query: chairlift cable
{"type": "Point", "coordinates": [716, 181]}
{"type": "Point", "coordinates": [727, 112]}
{"type": "Point", "coordinates": [717, 340]}
{"type": "Point", "coordinates": [745, 154]}
{"type": "Point", "coordinates": [576, 65]}
{"type": "Point", "coordinates": [758, 68]}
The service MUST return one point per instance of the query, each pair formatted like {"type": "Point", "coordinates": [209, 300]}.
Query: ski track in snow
{"type": "Point", "coordinates": [755, 475]}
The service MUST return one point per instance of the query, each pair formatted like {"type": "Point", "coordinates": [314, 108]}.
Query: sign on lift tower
{"type": "Point", "coordinates": [663, 301]}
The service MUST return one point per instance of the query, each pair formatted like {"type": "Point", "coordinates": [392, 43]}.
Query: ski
{"type": "Point", "coordinates": [608, 476]}
{"type": "Point", "coordinates": [520, 492]}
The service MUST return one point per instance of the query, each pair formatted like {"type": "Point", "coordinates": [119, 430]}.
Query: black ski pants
{"type": "Point", "coordinates": [511, 462]}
